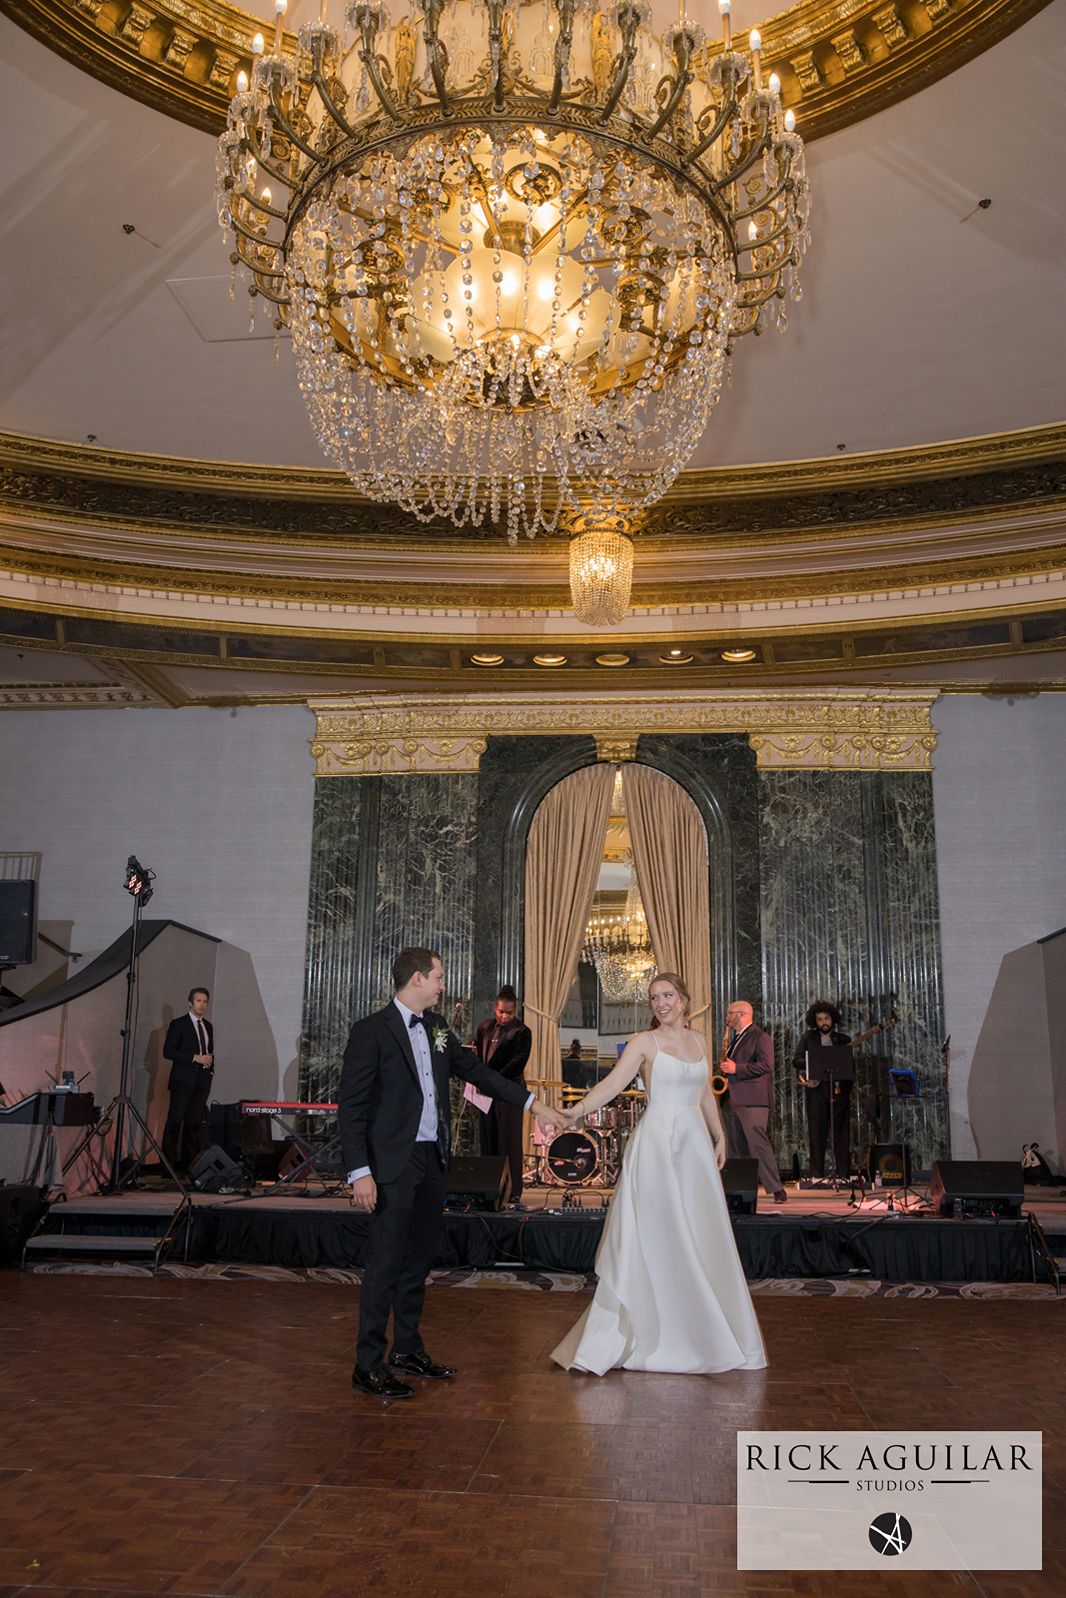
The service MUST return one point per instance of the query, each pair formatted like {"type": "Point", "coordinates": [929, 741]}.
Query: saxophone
{"type": "Point", "coordinates": [719, 1080]}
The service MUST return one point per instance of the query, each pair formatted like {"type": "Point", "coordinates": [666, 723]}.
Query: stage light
{"type": "Point", "coordinates": [139, 880]}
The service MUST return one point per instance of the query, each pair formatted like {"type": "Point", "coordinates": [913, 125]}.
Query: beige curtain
{"type": "Point", "coordinates": [563, 858]}
{"type": "Point", "coordinates": [670, 858]}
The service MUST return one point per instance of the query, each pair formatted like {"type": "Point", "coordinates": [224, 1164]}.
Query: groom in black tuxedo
{"type": "Point", "coordinates": [395, 1126]}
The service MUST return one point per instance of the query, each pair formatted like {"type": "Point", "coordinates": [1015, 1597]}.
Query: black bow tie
{"type": "Point", "coordinates": [416, 1020]}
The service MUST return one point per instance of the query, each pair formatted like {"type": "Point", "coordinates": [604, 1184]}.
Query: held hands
{"type": "Point", "coordinates": [363, 1194]}
{"type": "Point", "coordinates": [551, 1120]}
{"type": "Point", "coordinates": [728, 1067]}
{"type": "Point", "coordinates": [206, 1060]}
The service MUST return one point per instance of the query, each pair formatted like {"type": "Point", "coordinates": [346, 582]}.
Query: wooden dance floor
{"type": "Point", "coordinates": [182, 1436]}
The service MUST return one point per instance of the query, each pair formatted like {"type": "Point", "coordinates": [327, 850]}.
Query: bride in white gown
{"type": "Point", "coordinates": [671, 1294]}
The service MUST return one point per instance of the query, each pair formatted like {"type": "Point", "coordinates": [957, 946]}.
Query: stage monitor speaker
{"type": "Point", "coordinates": [21, 1207]}
{"type": "Point", "coordinates": [213, 1170]}
{"type": "Point", "coordinates": [18, 923]}
{"type": "Point", "coordinates": [481, 1180]}
{"type": "Point", "coordinates": [978, 1187]}
{"type": "Point", "coordinates": [740, 1178]}
{"type": "Point", "coordinates": [893, 1160]}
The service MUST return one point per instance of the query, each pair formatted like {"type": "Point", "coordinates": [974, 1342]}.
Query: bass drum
{"type": "Point", "coordinates": [574, 1159]}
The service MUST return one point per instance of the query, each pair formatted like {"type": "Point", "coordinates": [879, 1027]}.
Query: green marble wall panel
{"type": "Point", "coordinates": [393, 863]}
{"type": "Point", "coordinates": [849, 913]}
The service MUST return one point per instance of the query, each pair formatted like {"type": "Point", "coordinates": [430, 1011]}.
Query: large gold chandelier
{"type": "Point", "coordinates": [514, 241]}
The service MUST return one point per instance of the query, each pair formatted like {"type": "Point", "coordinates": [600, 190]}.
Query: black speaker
{"type": "Point", "coordinates": [979, 1187]}
{"type": "Point", "coordinates": [483, 1180]}
{"type": "Point", "coordinates": [213, 1170]}
{"type": "Point", "coordinates": [224, 1127]}
{"type": "Point", "coordinates": [740, 1178]}
{"type": "Point", "coordinates": [893, 1160]}
{"type": "Point", "coordinates": [18, 923]}
{"type": "Point", "coordinates": [21, 1206]}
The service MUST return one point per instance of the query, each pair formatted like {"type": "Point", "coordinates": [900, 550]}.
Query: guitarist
{"type": "Point", "coordinates": [822, 1022]}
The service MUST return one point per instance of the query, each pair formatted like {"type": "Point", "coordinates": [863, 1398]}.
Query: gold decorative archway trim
{"type": "Point", "coordinates": [806, 730]}
{"type": "Point", "coordinates": [838, 63]}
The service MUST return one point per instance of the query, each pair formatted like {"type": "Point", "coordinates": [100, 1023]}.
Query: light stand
{"type": "Point", "coordinates": [138, 884]}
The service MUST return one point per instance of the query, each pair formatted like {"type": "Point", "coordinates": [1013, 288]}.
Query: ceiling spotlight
{"type": "Point", "coordinates": [549, 660]}
{"type": "Point", "coordinates": [738, 656]}
{"type": "Point", "coordinates": [612, 660]}
{"type": "Point", "coordinates": [676, 657]}
{"type": "Point", "coordinates": [486, 660]}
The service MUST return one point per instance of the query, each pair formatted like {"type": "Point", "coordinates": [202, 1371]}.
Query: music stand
{"type": "Point", "coordinates": [832, 1063]}
{"type": "Point", "coordinates": [904, 1085]}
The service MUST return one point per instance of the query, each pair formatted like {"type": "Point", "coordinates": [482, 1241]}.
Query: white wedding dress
{"type": "Point", "coordinates": [671, 1294]}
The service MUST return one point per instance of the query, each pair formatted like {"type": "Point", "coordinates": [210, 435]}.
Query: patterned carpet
{"type": "Point", "coordinates": [858, 1287]}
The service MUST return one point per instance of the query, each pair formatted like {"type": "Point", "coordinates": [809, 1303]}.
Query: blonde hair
{"type": "Point", "coordinates": [676, 982]}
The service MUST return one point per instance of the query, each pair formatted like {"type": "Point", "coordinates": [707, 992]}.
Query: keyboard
{"type": "Point", "coordinates": [284, 1107]}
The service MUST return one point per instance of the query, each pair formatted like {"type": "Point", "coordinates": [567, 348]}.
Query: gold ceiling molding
{"type": "Point", "coordinates": [356, 603]}
{"type": "Point", "coordinates": [804, 730]}
{"type": "Point", "coordinates": [977, 511]}
{"type": "Point", "coordinates": [23, 455]}
{"type": "Point", "coordinates": [838, 62]}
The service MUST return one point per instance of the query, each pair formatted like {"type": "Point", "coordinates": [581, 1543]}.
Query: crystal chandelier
{"type": "Point", "coordinates": [619, 946]}
{"type": "Point", "coordinates": [513, 240]}
{"type": "Point", "coordinates": [601, 572]}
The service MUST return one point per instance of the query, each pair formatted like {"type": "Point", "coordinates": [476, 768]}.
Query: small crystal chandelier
{"type": "Point", "coordinates": [619, 946]}
{"type": "Point", "coordinates": [514, 241]}
{"type": "Point", "coordinates": [601, 572]}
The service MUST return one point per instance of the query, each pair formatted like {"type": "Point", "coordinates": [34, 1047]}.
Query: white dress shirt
{"type": "Point", "coordinates": [427, 1125]}
{"type": "Point", "coordinates": [203, 1042]}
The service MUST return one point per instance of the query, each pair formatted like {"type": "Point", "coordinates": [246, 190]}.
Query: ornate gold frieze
{"type": "Point", "coordinates": [39, 477]}
{"type": "Point", "coordinates": [805, 730]}
{"type": "Point", "coordinates": [73, 696]}
{"type": "Point", "coordinates": [130, 44]}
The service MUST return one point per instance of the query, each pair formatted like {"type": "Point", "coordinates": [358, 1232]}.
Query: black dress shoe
{"type": "Point", "coordinates": [379, 1384]}
{"type": "Point", "coordinates": [780, 1197]}
{"type": "Point", "coordinates": [421, 1365]}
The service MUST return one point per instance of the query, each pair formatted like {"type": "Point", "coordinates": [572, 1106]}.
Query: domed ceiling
{"type": "Point", "coordinates": [880, 496]}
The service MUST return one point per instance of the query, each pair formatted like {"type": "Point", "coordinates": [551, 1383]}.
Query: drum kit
{"type": "Point", "coordinates": [589, 1156]}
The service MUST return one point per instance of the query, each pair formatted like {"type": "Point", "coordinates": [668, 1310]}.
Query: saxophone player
{"type": "Point", "coordinates": [748, 1067]}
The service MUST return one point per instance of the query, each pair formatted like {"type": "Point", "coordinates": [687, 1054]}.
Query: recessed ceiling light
{"type": "Point", "coordinates": [738, 656]}
{"type": "Point", "coordinates": [612, 660]}
{"type": "Point", "coordinates": [549, 660]}
{"type": "Point", "coordinates": [676, 657]}
{"type": "Point", "coordinates": [486, 660]}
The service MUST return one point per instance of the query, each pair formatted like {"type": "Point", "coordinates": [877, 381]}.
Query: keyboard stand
{"type": "Point", "coordinates": [311, 1157]}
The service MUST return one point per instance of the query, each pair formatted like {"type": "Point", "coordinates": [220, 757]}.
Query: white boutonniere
{"type": "Point", "coordinates": [440, 1038]}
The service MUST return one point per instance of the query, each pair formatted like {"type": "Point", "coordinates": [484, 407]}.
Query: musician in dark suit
{"type": "Point", "coordinates": [395, 1127]}
{"type": "Point", "coordinates": [749, 1069]}
{"type": "Point", "coordinates": [504, 1043]}
{"type": "Point", "coordinates": [190, 1047]}
{"type": "Point", "coordinates": [822, 1022]}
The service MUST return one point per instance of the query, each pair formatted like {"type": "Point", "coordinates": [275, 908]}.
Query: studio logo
{"type": "Point", "coordinates": [890, 1535]}
{"type": "Point", "coordinates": [851, 1500]}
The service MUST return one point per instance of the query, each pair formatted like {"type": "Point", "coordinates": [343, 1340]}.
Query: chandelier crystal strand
{"type": "Point", "coordinates": [514, 241]}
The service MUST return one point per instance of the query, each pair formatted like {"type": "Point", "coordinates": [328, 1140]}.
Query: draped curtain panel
{"type": "Point", "coordinates": [563, 854]}
{"type": "Point", "coordinates": [670, 859]}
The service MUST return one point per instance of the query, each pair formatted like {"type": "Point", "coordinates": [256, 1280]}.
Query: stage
{"type": "Point", "coordinates": [814, 1236]}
